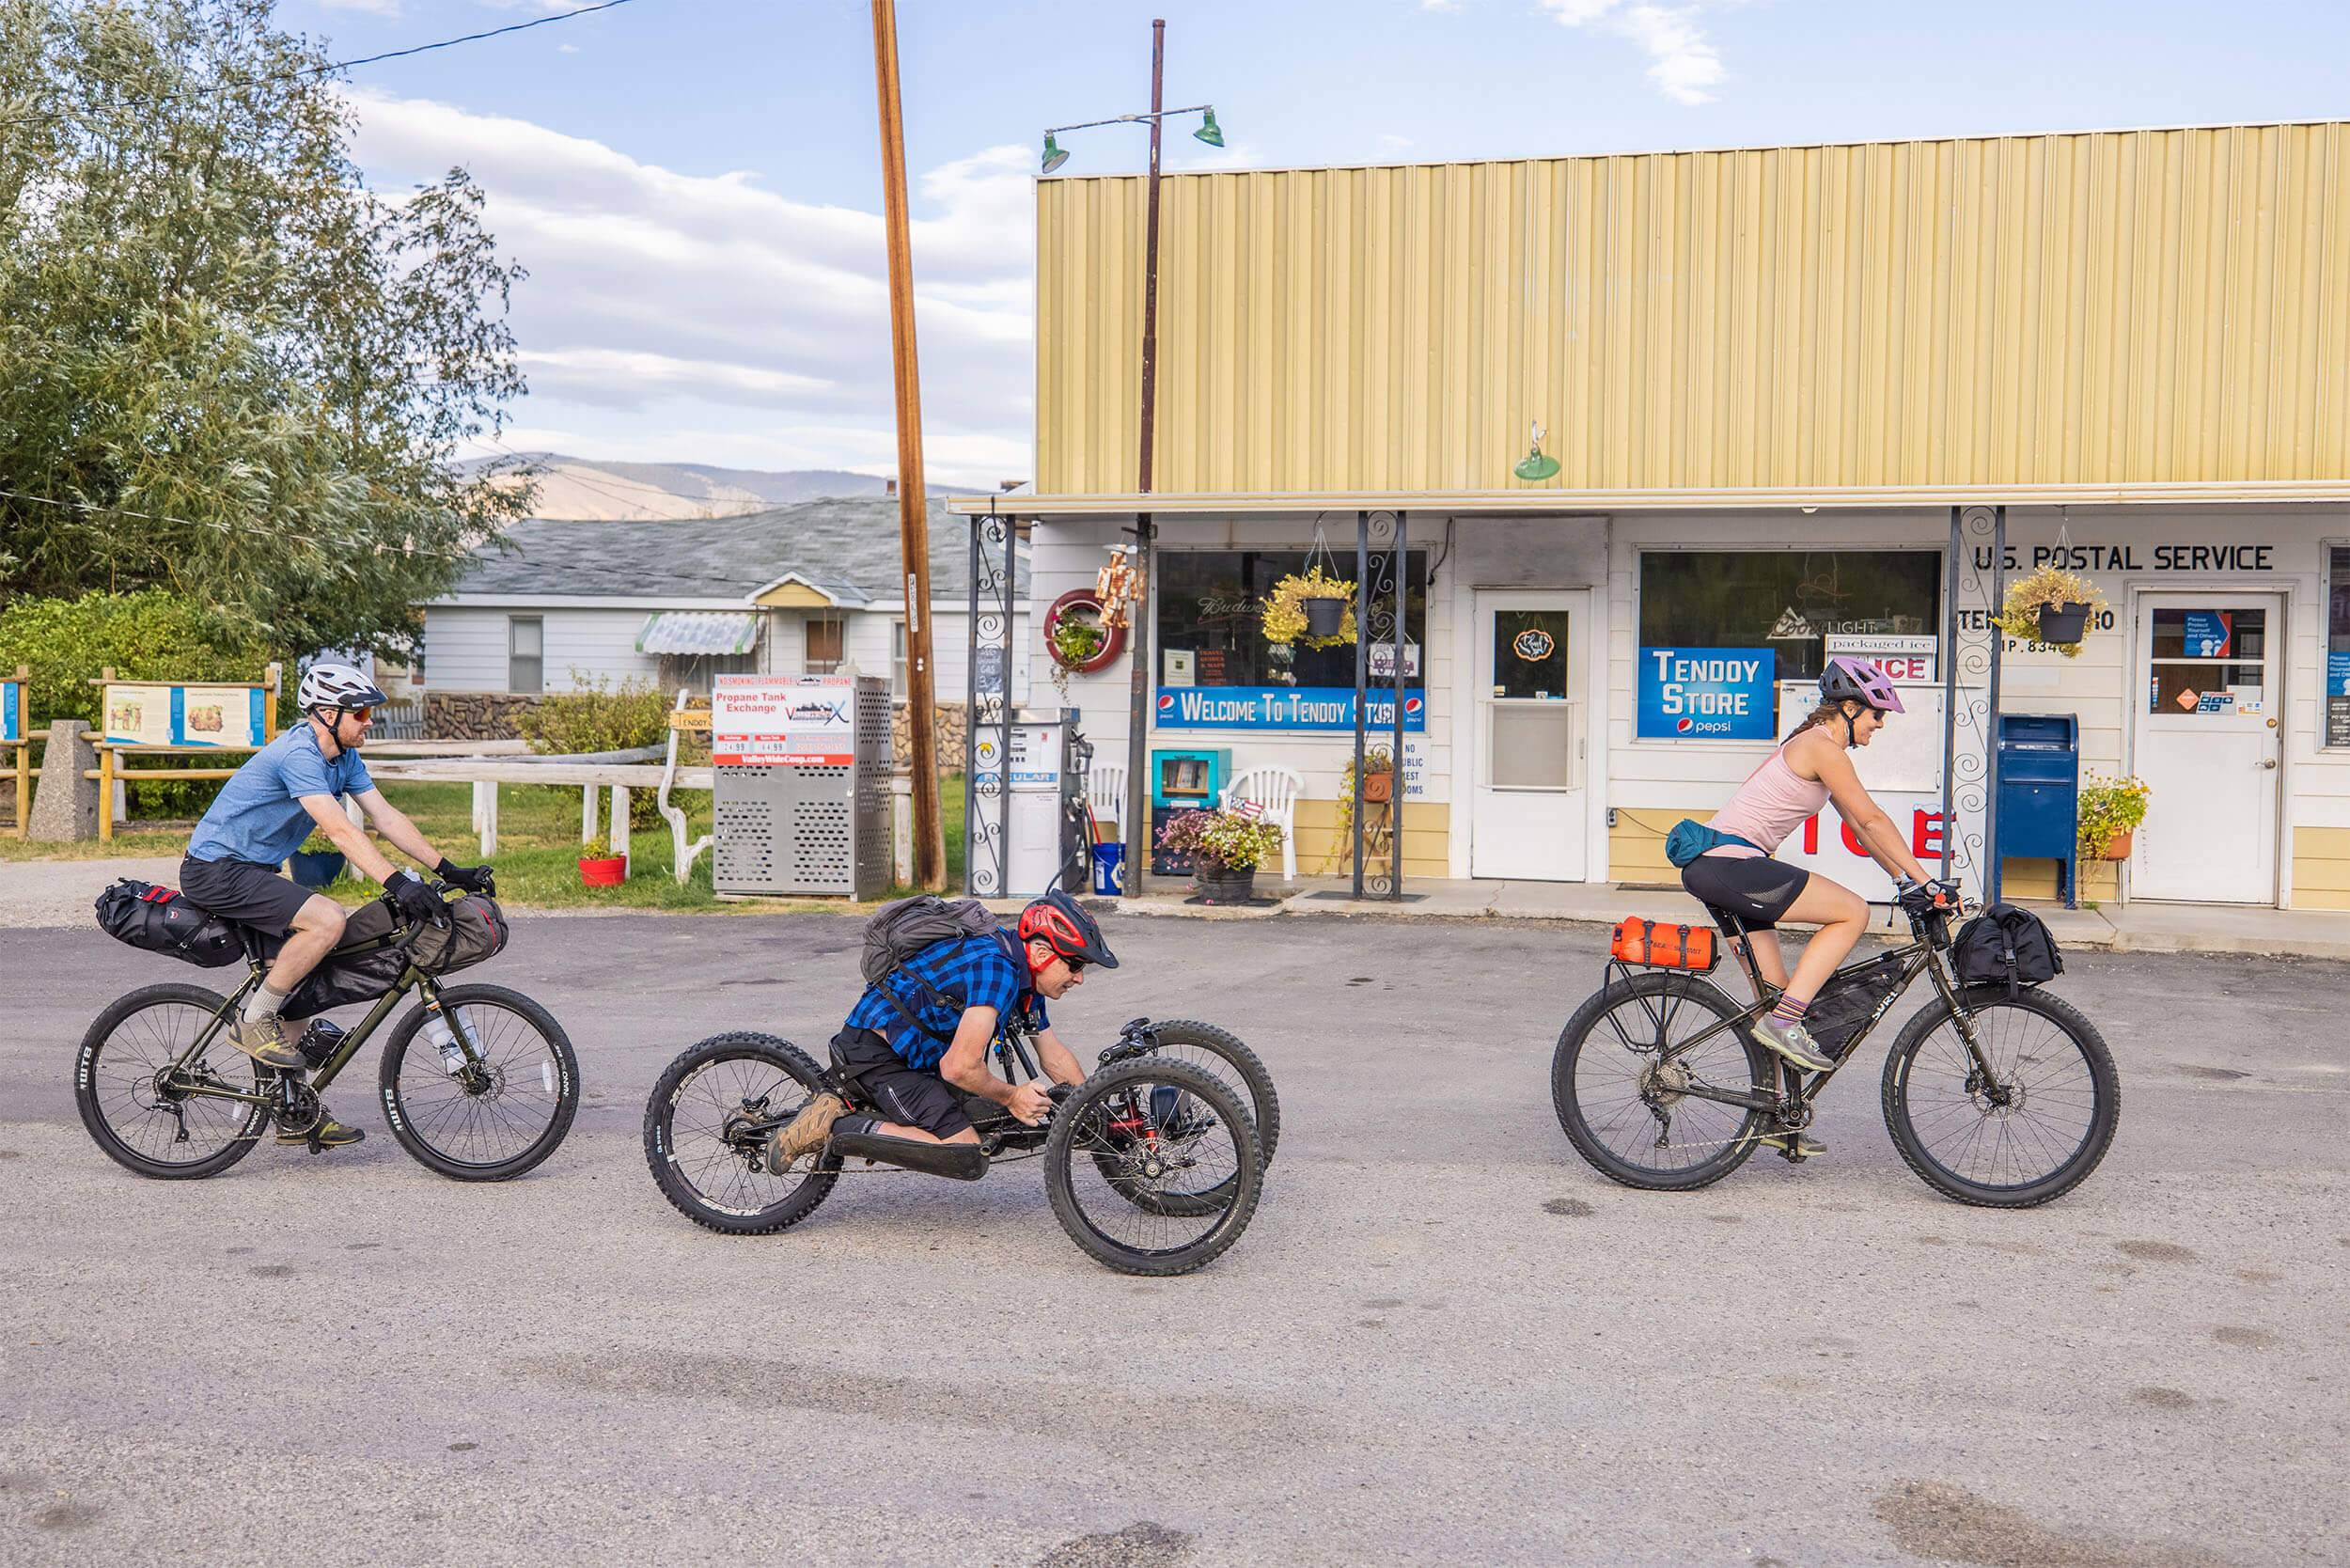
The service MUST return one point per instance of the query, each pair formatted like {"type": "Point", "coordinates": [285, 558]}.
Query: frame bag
{"type": "Point", "coordinates": [1850, 999]}
{"type": "Point", "coordinates": [2005, 945]}
{"type": "Point", "coordinates": [162, 921]}
{"type": "Point", "coordinates": [340, 982]}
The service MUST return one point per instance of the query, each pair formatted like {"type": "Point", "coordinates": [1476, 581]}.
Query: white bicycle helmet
{"type": "Point", "coordinates": [336, 686]}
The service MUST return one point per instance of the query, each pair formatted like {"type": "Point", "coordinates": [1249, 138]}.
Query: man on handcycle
{"type": "Point", "coordinates": [263, 814]}
{"type": "Point", "coordinates": [922, 1034]}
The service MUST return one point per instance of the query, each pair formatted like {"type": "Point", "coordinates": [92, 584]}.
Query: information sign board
{"type": "Point", "coordinates": [233, 718]}
{"type": "Point", "coordinates": [11, 711]}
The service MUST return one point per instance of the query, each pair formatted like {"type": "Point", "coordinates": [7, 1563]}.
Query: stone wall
{"type": "Point", "coordinates": [473, 716]}
{"type": "Point", "coordinates": [950, 730]}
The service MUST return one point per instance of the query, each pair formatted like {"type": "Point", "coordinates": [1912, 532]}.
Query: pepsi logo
{"type": "Point", "coordinates": [1167, 702]}
{"type": "Point", "coordinates": [1684, 726]}
{"type": "Point", "coordinates": [1414, 704]}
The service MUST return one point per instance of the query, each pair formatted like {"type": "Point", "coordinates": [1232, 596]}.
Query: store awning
{"type": "Point", "coordinates": [698, 633]}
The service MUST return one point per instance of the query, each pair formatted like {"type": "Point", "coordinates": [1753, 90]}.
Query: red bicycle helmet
{"type": "Point", "coordinates": [1061, 924]}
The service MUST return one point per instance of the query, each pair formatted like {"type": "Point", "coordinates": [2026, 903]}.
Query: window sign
{"type": "Point", "coordinates": [1297, 709]}
{"type": "Point", "coordinates": [774, 720]}
{"type": "Point", "coordinates": [1712, 694]}
{"type": "Point", "coordinates": [2337, 647]}
{"type": "Point", "coordinates": [1901, 656]}
{"type": "Point", "coordinates": [2208, 633]}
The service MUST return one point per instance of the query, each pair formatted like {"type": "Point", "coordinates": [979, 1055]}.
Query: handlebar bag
{"type": "Point", "coordinates": [2005, 945]}
{"type": "Point", "coordinates": [162, 921]}
{"type": "Point", "coordinates": [475, 932]}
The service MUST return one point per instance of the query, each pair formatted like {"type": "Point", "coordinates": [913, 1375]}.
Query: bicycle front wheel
{"type": "Point", "coordinates": [1620, 1077]}
{"type": "Point", "coordinates": [155, 1118]}
{"type": "Point", "coordinates": [500, 1117]}
{"type": "Point", "coordinates": [2031, 1131]}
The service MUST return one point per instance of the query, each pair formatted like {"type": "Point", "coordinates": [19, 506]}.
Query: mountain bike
{"type": "Point", "coordinates": [1995, 1096]}
{"type": "Point", "coordinates": [163, 1093]}
{"type": "Point", "coordinates": [1153, 1165]}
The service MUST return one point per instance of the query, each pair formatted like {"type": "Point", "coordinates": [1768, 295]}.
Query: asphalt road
{"type": "Point", "coordinates": [1445, 1340]}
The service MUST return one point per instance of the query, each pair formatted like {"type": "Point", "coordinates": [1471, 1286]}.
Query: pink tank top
{"type": "Point", "coordinates": [1773, 802]}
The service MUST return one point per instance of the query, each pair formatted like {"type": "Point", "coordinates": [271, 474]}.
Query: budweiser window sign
{"type": "Point", "coordinates": [760, 721]}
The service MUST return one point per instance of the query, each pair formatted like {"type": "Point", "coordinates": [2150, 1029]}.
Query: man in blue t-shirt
{"type": "Point", "coordinates": [917, 1042]}
{"type": "Point", "coordinates": [263, 814]}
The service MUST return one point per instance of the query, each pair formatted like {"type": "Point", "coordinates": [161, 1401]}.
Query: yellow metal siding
{"type": "Point", "coordinates": [2112, 308]}
{"type": "Point", "coordinates": [2321, 867]}
{"type": "Point", "coordinates": [1321, 851]}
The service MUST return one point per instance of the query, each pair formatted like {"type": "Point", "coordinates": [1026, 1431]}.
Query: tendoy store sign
{"type": "Point", "coordinates": [1706, 693]}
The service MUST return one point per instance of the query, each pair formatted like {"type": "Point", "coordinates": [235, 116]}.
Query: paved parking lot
{"type": "Point", "coordinates": [1445, 1340]}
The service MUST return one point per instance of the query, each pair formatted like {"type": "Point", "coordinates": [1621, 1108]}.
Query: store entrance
{"type": "Point", "coordinates": [1526, 815]}
{"type": "Point", "coordinates": [2208, 745]}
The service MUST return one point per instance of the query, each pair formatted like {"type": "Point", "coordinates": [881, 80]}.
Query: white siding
{"type": "Point", "coordinates": [465, 648]}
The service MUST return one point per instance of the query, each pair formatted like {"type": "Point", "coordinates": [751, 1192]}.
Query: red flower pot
{"type": "Point", "coordinates": [603, 874]}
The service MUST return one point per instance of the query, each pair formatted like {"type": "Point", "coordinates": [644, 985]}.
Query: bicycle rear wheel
{"type": "Point", "coordinates": [502, 1117]}
{"type": "Point", "coordinates": [1623, 1101]}
{"type": "Point", "coordinates": [146, 1115]}
{"type": "Point", "coordinates": [2035, 1131]}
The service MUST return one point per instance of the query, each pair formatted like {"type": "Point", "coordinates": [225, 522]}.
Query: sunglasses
{"type": "Point", "coordinates": [362, 715]}
{"type": "Point", "coordinates": [1077, 966]}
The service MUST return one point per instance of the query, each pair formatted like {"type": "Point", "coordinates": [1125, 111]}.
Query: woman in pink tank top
{"type": "Point", "coordinates": [1812, 767]}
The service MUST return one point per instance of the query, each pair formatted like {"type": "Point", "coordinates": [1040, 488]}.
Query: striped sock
{"type": "Point", "coordinates": [1791, 1008]}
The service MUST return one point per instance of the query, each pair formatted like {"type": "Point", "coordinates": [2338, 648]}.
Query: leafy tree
{"type": "Point", "coordinates": [246, 372]}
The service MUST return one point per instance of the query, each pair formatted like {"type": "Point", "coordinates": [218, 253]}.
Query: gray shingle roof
{"type": "Point", "coordinates": [848, 547]}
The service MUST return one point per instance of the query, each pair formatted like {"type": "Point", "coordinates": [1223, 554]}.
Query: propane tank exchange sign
{"type": "Point", "coordinates": [1709, 693]}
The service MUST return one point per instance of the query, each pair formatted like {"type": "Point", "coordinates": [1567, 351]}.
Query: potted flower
{"type": "Point", "coordinates": [1072, 642]}
{"type": "Point", "coordinates": [2050, 605]}
{"type": "Point", "coordinates": [316, 863]}
{"type": "Point", "coordinates": [1224, 849]}
{"type": "Point", "coordinates": [2110, 810]}
{"type": "Point", "coordinates": [1378, 788]}
{"type": "Point", "coordinates": [599, 867]}
{"type": "Point", "coordinates": [1312, 608]}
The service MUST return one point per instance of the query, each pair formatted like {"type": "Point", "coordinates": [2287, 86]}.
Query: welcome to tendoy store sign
{"type": "Point", "coordinates": [1712, 694]}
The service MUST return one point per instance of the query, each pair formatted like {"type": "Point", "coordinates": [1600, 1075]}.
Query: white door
{"type": "Point", "coordinates": [1526, 817]}
{"type": "Point", "coordinates": [2207, 744]}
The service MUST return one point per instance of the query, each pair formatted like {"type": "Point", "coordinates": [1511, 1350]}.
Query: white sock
{"type": "Point", "coordinates": [264, 1004]}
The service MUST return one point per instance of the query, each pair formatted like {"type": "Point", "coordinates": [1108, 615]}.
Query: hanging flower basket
{"type": "Point", "coordinates": [2050, 607]}
{"type": "Point", "coordinates": [1077, 635]}
{"type": "Point", "coordinates": [1300, 603]}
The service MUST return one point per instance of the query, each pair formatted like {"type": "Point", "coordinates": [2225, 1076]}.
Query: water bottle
{"type": "Point", "coordinates": [444, 1040]}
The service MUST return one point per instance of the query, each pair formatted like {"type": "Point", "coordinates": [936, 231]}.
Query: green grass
{"type": "Point", "coordinates": [537, 857]}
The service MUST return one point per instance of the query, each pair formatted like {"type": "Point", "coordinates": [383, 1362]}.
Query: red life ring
{"type": "Point", "coordinates": [1114, 640]}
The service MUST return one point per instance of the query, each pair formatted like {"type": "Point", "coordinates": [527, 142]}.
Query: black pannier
{"type": "Point", "coordinates": [162, 921]}
{"type": "Point", "coordinates": [2005, 945]}
{"type": "Point", "coordinates": [1849, 997]}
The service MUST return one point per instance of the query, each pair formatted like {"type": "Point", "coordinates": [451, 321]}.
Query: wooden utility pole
{"type": "Point", "coordinates": [1139, 833]}
{"type": "Point", "coordinates": [913, 522]}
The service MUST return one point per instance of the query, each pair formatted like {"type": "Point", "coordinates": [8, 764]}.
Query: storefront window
{"type": "Point", "coordinates": [1788, 602]}
{"type": "Point", "coordinates": [2337, 647]}
{"type": "Point", "coordinates": [1211, 604]}
{"type": "Point", "coordinates": [2208, 662]}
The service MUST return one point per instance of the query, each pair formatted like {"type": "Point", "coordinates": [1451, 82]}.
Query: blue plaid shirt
{"type": "Point", "coordinates": [988, 970]}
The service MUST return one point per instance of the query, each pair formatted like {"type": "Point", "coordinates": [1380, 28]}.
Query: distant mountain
{"type": "Point", "coordinates": [582, 490]}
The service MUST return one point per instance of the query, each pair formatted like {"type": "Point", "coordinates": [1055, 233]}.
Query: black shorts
{"type": "Point", "coordinates": [1757, 891]}
{"type": "Point", "coordinates": [909, 1096]}
{"type": "Point", "coordinates": [241, 890]}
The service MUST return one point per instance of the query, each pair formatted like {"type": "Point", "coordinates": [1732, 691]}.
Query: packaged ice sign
{"type": "Point", "coordinates": [1706, 693]}
{"type": "Point", "coordinates": [1281, 708]}
{"type": "Point", "coordinates": [2210, 634]}
{"type": "Point", "coordinates": [778, 721]}
{"type": "Point", "coordinates": [1901, 656]}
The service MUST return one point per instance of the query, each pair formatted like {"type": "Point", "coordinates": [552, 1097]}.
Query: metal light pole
{"type": "Point", "coordinates": [913, 523]}
{"type": "Point", "coordinates": [1137, 808]}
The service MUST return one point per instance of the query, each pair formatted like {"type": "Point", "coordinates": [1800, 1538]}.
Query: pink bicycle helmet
{"type": "Point", "coordinates": [1847, 677]}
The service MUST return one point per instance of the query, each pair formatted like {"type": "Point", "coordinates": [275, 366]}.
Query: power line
{"type": "Point", "coordinates": [328, 67]}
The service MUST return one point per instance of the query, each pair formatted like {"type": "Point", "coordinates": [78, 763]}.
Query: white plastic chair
{"type": "Point", "coordinates": [1273, 790]}
{"type": "Point", "coordinates": [1105, 791]}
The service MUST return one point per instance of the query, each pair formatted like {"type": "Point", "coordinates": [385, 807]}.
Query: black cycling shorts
{"type": "Point", "coordinates": [1757, 891]}
{"type": "Point", "coordinates": [907, 1095]}
{"type": "Point", "coordinates": [241, 890]}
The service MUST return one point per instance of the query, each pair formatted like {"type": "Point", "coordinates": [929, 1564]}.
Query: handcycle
{"type": "Point", "coordinates": [1153, 1165]}
{"type": "Point", "coordinates": [163, 1093]}
{"type": "Point", "coordinates": [1997, 1097]}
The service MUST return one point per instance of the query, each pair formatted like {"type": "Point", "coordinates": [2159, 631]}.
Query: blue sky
{"type": "Point", "coordinates": [695, 188]}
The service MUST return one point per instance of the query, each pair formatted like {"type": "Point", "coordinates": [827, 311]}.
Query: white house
{"type": "Point", "coordinates": [810, 588]}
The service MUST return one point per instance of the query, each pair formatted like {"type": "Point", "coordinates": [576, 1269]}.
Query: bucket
{"type": "Point", "coordinates": [1109, 870]}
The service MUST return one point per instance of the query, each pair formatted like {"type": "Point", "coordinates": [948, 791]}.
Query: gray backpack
{"type": "Point", "coordinates": [899, 931]}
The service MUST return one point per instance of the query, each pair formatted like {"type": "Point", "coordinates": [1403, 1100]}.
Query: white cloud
{"type": "Point", "coordinates": [669, 308]}
{"type": "Point", "coordinates": [373, 8]}
{"type": "Point", "coordinates": [1684, 62]}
